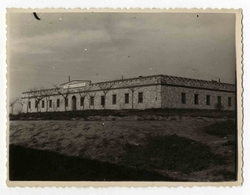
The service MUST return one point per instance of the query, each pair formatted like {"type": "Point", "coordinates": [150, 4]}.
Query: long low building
{"type": "Point", "coordinates": [159, 91]}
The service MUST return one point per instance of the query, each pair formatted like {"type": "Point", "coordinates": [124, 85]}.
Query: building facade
{"type": "Point", "coordinates": [160, 91]}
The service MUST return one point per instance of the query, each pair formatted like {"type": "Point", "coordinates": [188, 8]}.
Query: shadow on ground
{"type": "Point", "coordinates": [27, 164]}
{"type": "Point", "coordinates": [174, 153]}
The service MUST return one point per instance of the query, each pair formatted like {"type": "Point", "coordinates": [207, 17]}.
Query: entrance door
{"type": "Point", "coordinates": [73, 105]}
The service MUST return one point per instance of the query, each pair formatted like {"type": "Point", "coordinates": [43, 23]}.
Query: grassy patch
{"type": "Point", "coordinates": [147, 145]}
{"type": "Point", "coordinates": [222, 129]}
{"type": "Point", "coordinates": [172, 153]}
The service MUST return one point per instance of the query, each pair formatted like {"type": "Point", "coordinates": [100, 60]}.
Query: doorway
{"type": "Point", "coordinates": [73, 105]}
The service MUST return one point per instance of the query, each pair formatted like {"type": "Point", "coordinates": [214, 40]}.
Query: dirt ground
{"type": "Point", "coordinates": [107, 141]}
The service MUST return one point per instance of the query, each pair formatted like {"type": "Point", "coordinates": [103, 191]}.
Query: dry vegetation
{"type": "Point", "coordinates": [178, 149]}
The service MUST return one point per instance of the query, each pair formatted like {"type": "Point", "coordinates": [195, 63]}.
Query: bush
{"type": "Point", "coordinates": [222, 129]}
{"type": "Point", "coordinates": [172, 153]}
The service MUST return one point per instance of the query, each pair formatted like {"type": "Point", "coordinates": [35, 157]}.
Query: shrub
{"type": "Point", "coordinates": [172, 153]}
{"type": "Point", "coordinates": [222, 129]}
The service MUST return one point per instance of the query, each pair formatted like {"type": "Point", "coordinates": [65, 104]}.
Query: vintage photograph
{"type": "Point", "coordinates": [124, 96]}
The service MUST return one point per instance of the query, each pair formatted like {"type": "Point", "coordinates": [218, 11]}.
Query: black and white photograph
{"type": "Point", "coordinates": [124, 96]}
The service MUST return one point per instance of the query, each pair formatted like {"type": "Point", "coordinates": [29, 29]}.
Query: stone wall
{"type": "Point", "coordinates": [158, 91]}
{"type": "Point", "coordinates": [151, 99]}
{"type": "Point", "coordinates": [172, 98]}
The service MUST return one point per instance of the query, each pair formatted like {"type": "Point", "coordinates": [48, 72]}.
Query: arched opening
{"type": "Point", "coordinates": [73, 103]}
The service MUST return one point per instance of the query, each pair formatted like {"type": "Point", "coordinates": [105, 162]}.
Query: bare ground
{"type": "Point", "coordinates": [107, 141]}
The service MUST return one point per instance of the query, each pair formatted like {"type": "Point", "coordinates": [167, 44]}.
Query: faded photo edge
{"type": "Point", "coordinates": [239, 91]}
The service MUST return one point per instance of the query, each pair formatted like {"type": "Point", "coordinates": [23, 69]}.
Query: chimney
{"type": "Point", "coordinates": [69, 78]}
{"type": "Point", "coordinates": [122, 77]}
{"type": "Point", "coordinates": [219, 80]}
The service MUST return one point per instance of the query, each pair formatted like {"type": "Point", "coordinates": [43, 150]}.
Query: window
{"type": "Point", "coordinates": [208, 100]}
{"type": "Point", "coordinates": [219, 100]}
{"type": "Point", "coordinates": [50, 103]}
{"type": "Point", "coordinates": [229, 101]}
{"type": "Point", "coordinates": [36, 104]}
{"type": "Point", "coordinates": [92, 100]}
{"type": "Point", "coordinates": [196, 99]}
{"type": "Point", "coordinates": [58, 102]}
{"type": "Point", "coordinates": [140, 97]}
{"type": "Point", "coordinates": [126, 98]}
{"type": "Point", "coordinates": [66, 102]}
{"type": "Point", "coordinates": [82, 101]}
{"type": "Point", "coordinates": [183, 98]}
{"type": "Point", "coordinates": [103, 100]}
{"type": "Point", "coordinates": [29, 104]}
{"type": "Point", "coordinates": [114, 99]}
{"type": "Point", "coordinates": [43, 104]}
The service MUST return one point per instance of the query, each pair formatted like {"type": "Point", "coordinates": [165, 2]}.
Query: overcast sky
{"type": "Point", "coordinates": [105, 46]}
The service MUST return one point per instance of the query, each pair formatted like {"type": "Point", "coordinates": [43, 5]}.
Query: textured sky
{"type": "Point", "coordinates": [107, 46]}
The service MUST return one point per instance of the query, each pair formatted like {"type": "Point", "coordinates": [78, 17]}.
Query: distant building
{"type": "Point", "coordinates": [159, 91]}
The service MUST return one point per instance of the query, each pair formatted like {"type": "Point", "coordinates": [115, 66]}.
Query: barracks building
{"type": "Point", "coordinates": [159, 91]}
